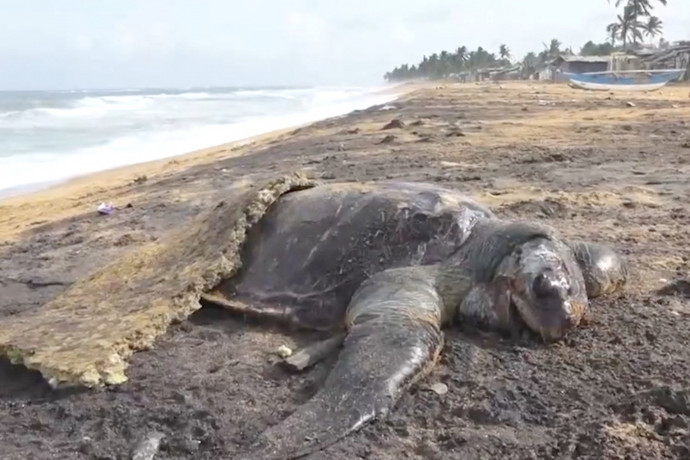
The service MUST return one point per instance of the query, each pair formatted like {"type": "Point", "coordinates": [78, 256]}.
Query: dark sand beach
{"type": "Point", "coordinates": [614, 168]}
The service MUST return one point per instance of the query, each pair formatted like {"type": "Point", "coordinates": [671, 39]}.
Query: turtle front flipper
{"type": "Point", "coordinates": [603, 269]}
{"type": "Point", "coordinates": [394, 337]}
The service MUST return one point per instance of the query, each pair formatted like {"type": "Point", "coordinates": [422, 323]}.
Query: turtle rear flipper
{"type": "Point", "coordinates": [394, 338]}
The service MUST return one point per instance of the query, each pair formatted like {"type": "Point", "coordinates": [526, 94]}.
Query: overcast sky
{"type": "Point", "coordinates": [49, 44]}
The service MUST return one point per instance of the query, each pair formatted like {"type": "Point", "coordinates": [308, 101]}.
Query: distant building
{"type": "Point", "coordinates": [676, 56]}
{"type": "Point", "coordinates": [511, 72]}
{"type": "Point", "coordinates": [544, 73]}
{"type": "Point", "coordinates": [507, 73]}
{"type": "Point", "coordinates": [577, 64]}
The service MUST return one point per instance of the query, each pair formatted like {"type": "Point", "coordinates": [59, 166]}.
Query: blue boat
{"type": "Point", "coordinates": [627, 80]}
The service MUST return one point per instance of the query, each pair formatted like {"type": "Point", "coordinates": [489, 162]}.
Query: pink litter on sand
{"type": "Point", "coordinates": [106, 208]}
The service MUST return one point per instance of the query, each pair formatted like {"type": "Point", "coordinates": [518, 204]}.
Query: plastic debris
{"type": "Point", "coordinates": [106, 209]}
{"type": "Point", "coordinates": [147, 447]}
{"type": "Point", "coordinates": [439, 388]}
{"type": "Point", "coordinates": [284, 351]}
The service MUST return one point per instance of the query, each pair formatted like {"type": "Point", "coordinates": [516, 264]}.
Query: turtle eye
{"type": "Point", "coordinates": [543, 287]}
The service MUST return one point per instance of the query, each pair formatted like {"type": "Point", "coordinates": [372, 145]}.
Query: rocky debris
{"type": "Point", "coordinates": [439, 388]}
{"type": "Point", "coordinates": [147, 448]}
{"type": "Point", "coordinates": [396, 123]}
{"type": "Point", "coordinates": [664, 410]}
{"type": "Point", "coordinates": [680, 287]}
{"type": "Point", "coordinates": [546, 157]}
{"type": "Point", "coordinates": [350, 131]}
{"type": "Point", "coordinates": [549, 208]}
{"type": "Point", "coordinates": [34, 283]}
{"type": "Point", "coordinates": [388, 139]}
{"type": "Point", "coordinates": [455, 133]}
{"type": "Point", "coordinates": [417, 123]}
{"type": "Point", "coordinates": [630, 104]}
{"type": "Point", "coordinates": [129, 238]}
{"type": "Point", "coordinates": [468, 178]}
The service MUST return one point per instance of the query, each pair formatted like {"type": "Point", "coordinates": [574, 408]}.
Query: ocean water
{"type": "Point", "coordinates": [50, 136]}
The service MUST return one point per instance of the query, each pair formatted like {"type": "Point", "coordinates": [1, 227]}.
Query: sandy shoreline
{"type": "Point", "coordinates": [57, 200]}
{"type": "Point", "coordinates": [612, 168]}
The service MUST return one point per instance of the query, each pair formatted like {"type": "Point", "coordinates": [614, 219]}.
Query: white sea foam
{"type": "Point", "coordinates": [79, 133]}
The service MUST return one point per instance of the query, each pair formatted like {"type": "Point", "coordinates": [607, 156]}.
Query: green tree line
{"type": "Point", "coordinates": [444, 64]}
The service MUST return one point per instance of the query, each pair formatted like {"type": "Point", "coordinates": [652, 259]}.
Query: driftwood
{"type": "Point", "coordinates": [314, 353]}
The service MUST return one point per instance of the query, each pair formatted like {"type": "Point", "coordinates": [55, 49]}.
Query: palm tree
{"type": "Point", "coordinates": [653, 27]}
{"type": "Point", "coordinates": [504, 52]}
{"type": "Point", "coordinates": [423, 66]}
{"type": "Point", "coordinates": [461, 54]}
{"type": "Point", "coordinates": [459, 58]}
{"type": "Point", "coordinates": [614, 31]}
{"type": "Point", "coordinates": [640, 6]}
{"type": "Point", "coordinates": [629, 26]}
{"type": "Point", "coordinates": [544, 56]}
{"type": "Point", "coordinates": [445, 66]}
{"type": "Point", "coordinates": [553, 49]}
{"type": "Point", "coordinates": [643, 7]}
{"type": "Point", "coordinates": [530, 64]}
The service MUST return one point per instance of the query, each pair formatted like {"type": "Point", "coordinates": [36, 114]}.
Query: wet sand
{"type": "Point", "coordinates": [610, 167]}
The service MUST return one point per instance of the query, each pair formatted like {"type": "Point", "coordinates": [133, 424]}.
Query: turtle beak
{"type": "Point", "coordinates": [566, 319]}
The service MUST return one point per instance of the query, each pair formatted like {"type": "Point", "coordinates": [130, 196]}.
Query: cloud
{"type": "Point", "coordinates": [134, 38]}
{"type": "Point", "coordinates": [169, 42]}
{"type": "Point", "coordinates": [306, 28]}
{"type": "Point", "coordinates": [401, 33]}
{"type": "Point", "coordinates": [83, 43]}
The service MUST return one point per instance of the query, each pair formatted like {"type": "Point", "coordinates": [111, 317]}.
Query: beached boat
{"type": "Point", "coordinates": [628, 80]}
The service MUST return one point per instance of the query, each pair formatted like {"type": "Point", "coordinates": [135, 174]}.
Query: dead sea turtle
{"type": "Point", "coordinates": [386, 266]}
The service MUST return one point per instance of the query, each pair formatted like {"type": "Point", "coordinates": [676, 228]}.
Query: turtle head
{"type": "Point", "coordinates": [546, 287]}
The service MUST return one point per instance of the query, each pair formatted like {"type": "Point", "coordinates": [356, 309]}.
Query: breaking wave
{"type": "Point", "coordinates": [46, 137]}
